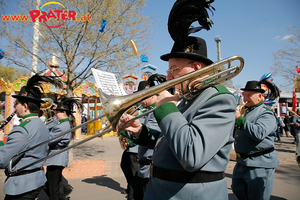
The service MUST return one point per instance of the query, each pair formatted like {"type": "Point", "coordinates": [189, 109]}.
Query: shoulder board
{"type": "Point", "coordinates": [221, 90]}
{"type": "Point", "coordinates": [23, 124]}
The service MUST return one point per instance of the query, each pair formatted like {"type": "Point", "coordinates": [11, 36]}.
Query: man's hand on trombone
{"type": "Point", "coordinates": [134, 126]}
{"type": "Point", "coordinates": [166, 96]}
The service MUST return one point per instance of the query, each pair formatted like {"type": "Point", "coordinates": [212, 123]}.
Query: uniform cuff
{"type": "Point", "coordinates": [142, 138]}
{"type": "Point", "coordinates": [239, 122]}
{"type": "Point", "coordinates": [163, 110]}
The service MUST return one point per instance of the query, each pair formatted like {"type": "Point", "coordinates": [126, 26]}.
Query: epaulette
{"type": "Point", "coordinates": [23, 124]}
{"type": "Point", "coordinates": [221, 90]}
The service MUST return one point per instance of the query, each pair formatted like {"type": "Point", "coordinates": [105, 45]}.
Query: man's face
{"type": "Point", "coordinates": [251, 98]}
{"type": "Point", "coordinates": [179, 67]}
{"type": "Point", "coordinates": [19, 109]}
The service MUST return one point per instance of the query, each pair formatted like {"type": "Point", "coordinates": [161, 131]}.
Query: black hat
{"type": "Point", "coordinates": [194, 48]}
{"type": "Point", "coordinates": [253, 86]}
{"type": "Point", "coordinates": [32, 95]}
{"type": "Point", "coordinates": [67, 104]}
{"type": "Point", "coordinates": [31, 92]}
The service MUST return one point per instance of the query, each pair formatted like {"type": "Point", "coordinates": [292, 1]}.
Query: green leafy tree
{"type": "Point", "coordinates": [78, 44]}
{"type": "Point", "coordinates": [286, 61]}
{"type": "Point", "coordinates": [11, 74]}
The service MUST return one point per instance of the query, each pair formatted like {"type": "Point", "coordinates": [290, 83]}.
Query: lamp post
{"type": "Point", "coordinates": [35, 42]}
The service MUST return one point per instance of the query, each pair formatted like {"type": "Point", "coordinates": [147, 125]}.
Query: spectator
{"type": "Point", "coordinates": [287, 125]}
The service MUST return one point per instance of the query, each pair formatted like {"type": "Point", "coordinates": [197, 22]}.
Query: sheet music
{"type": "Point", "coordinates": [107, 82]}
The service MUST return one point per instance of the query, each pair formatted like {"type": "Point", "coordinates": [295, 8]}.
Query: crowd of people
{"type": "Point", "coordinates": [179, 151]}
{"type": "Point", "coordinates": [289, 126]}
{"type": "Point", "coordinates": [184, 143]}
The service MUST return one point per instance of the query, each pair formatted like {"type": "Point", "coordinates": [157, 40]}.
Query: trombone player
{"type": "Point", "coordinates": [192, 149]}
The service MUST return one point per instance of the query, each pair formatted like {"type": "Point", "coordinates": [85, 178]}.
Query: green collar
{"type": "Point", "coordinates": [64, 120]}
{"type": "Point", "coordinates": [30, 115]}
{"type": "Point", "coordinates": [260, 103]}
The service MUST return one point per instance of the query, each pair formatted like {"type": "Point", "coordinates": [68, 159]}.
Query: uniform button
{"type": "Point", "coordinates": [155, 149]}
{"type": "Point", "coordinates": [239, 127]}
{"type": "Point", "coordinates": [234, 142]}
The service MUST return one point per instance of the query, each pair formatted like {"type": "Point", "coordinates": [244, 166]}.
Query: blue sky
{"type": "Point", "coordinates": [253, 29]}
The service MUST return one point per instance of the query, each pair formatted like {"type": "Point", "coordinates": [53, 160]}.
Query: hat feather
{"type": "Point", "coordinates": [70, 102]}
{"type": "Point", "coordinates": [275, 92]}
{"type": "Point", "coordinates": [184, 13]}
{"type": "Point", "coordinates": [36, 81]}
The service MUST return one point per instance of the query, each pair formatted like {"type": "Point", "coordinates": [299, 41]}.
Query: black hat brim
{"type": "Point", "coordinates": [255, 90]}
{"type": "Point", "coordinates": [191, 56]}
{"type": "Point", "coordinates": [28, 99]}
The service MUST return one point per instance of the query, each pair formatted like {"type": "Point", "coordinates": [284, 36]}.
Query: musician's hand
{"type": "Point", "coordinates": [237, 114]}
{"type": "Point", "coordinates": [165, 96]}
{"type": "Point", "coordinates": [134, 126]}
{"type": "Point", "coordinates": [1, 134]}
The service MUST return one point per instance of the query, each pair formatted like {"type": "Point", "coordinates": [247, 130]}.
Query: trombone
{"type": "Point", "coordinates": [114, 106]}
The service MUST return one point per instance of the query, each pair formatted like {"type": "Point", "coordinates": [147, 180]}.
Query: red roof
{"type": "Point", "coordinates": [48, 72]}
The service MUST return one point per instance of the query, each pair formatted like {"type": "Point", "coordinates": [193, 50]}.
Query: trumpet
{"type": "Point", "coordinates": [113, 107]}
{"type": "Point", "coordinates": [242, 108]}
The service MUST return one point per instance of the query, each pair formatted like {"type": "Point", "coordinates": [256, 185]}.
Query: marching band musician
{"type": "Point", "coordinates": [30, 132]}
{"type": "Point", "coordinates": [56, 164]}
{"type": "Point", "coordinates": [192, 150]}
{"type": "Point", "coordinates": [145, 154]}
{"type": "Point", "coordinates": [253, 173]}
{"type": "Point", "coordinates": [67, 188]}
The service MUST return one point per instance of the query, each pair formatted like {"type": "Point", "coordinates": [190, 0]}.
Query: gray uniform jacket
{"type": "Point", "coordinates": [145, 153]}
{"type": "Point", "coordinates": [256, 131]}
{"type": "Point", "coordinates": [53, 123]}
{"type": "Point", "coordinates": [196, 136]}
{"type": "Point", "coordinates": [59, 143]}
{"type": "Point", "coordinates": [29, 133]}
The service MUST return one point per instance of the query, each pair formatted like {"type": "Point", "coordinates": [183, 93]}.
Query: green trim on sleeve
{"type": "Point", "coordinates": [1, 143]}
{"type": "Point", "coordinates": [123, 133]}
{"type": "Point", "coordinates": [221, 90]}
{"type": "Point", "coordinates": [239, 122]}
{"type": "Point", "coordinates": [131, 144]}
{"type": "Point", "coordinates": [163, 110]}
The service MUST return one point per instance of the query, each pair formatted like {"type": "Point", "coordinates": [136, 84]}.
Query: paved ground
{"type": "Point", "coordinates": [96, 173]}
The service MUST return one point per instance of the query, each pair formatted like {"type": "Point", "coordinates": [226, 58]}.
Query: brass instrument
{"type": "Point", "coordinates": [123, 139]}
{"type": "Point", "coordinates": [242, 108]}
{"type": "Point", "coordinates": [115, 106]}
{"type": "Point", "coordinates": [46, 108]}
